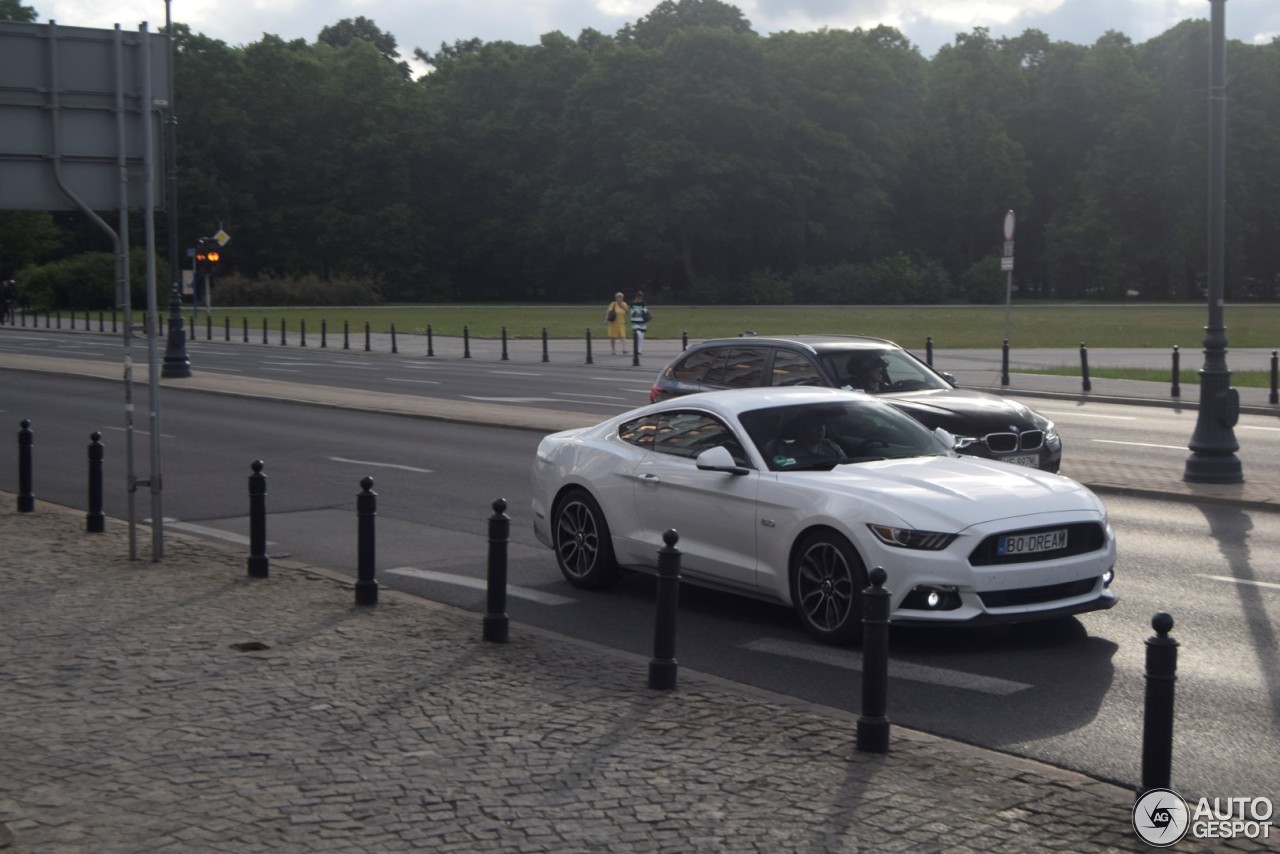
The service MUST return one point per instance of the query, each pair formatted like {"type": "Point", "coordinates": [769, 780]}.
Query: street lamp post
{"type": "Point", "coordinates": [1213, 444]}
{"type": "Point", "coordinates": [176, 362]}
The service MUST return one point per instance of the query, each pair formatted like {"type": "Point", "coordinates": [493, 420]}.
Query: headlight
{"type": "Point", "coordinates": [905, 538]}
{"type": "Point", "coordinates": [963, 442]}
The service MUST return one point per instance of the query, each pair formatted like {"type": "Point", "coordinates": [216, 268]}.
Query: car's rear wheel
{"type": "Point", "coordinates": [583, 547]}
{"type": "Point", "coordinates": [827, 580]}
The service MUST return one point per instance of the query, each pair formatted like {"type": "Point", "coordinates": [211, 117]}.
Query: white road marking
{"type": "Point", "coordinates": [1252, 427]}
{"type": "Point", "coordinates": [1269, 585]}
{"type": "Point", "coordinates": [205, 531]}
{"type": "Point", "coordinates": [1139, 444]}
{"type": "Point", "coordinates": [517, 373]}
{"type": "Point", "coordinates": [593, 396]}
{"type": "Point", "coordinates": [478, 584]}
{"type": "Point", "coordinates": [421, 382]}
{"type": "Point", "coordinates": [380, 465]}
{"type": "Point", "coordinates": [513, 399]}
{"type": "Point", "coordinates": [282, 370]}
{"type": "Point", "coordinates": [139, 430]}
{"type": "Point", "coordinates": [897, 669]}
{"type": "Point", "coordinates": [647, 383]}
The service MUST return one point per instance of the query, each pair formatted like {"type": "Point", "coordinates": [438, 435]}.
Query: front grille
{"type": "Point", "coordinates": [1082, 537]}
{"type": "Point", "coordinates": [1007, 443]}
{"type": "Point", "coordinates": [1036, 595]}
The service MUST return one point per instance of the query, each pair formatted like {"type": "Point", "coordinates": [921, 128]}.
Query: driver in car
{"type": "Point", "coordinates": [867, 371]}
{"type": "Point", "coordinates": [805, 443]}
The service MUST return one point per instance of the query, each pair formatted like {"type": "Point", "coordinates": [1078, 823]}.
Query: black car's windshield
{"type": "Point", "coordinates": [880, 370]}
{"type": "Point", "coordinates": [820, 436]}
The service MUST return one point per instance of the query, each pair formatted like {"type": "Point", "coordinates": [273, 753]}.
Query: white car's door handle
{"type": "Point", "coordinates": [650, 478]}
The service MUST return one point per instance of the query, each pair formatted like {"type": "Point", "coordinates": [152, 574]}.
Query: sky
{"type": "Point", "coordinates": [427, 24]}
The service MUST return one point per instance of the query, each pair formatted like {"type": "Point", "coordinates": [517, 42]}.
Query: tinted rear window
{"type": "Point", "coordinates": [743, 367]}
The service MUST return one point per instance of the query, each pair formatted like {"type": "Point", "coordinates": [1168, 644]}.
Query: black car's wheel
{"type": "Point", "coordinates": [827, 580]}
{"type": "Point", "coordinates": [582, 543]}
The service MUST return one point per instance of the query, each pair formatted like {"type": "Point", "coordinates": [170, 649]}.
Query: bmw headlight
{"type": "Point", "coordinates": [963, 442]}
{"type": "Point", "coordinates": [906, 538]}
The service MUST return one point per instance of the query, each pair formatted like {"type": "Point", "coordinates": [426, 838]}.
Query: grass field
{"type": "Point", "coordinates": [963, 327]}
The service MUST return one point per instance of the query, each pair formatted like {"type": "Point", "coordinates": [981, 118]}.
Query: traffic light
{"type": "Point", "coordinates": [208, 254]}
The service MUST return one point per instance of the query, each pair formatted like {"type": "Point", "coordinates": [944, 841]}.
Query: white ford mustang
{"type": "Point", "coordinates": [792, 494]}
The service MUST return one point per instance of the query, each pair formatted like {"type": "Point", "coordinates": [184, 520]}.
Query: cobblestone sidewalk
{"type": "Point", "coordinates": [181, 706]}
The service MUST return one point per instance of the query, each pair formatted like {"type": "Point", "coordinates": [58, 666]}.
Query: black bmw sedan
{"type": "Point", "coordinates": [984, 425]}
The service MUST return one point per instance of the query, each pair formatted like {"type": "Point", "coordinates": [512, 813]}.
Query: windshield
{"type": "Point", "coordinates": [880, 371]}
{"type": "Point", "coordinates": [822, 436]}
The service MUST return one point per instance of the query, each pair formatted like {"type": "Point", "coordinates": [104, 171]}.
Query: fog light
{"type": "Point", "coordinates": [932, 597]}
{"type": "Point", "coordinates": [1108, 577]}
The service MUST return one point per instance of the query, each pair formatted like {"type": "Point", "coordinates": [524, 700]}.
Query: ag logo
{"type": "Point", "coordinates": [1160, 817]}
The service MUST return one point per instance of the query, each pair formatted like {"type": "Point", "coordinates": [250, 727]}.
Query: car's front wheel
{"type": "Point", "coordinates": [583, 547]}
{"type": "Point", "coordinates": [827, 580]}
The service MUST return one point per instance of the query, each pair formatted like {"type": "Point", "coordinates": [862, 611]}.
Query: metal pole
{"type": "Point", "coordinates": [1175, 389]}
{"type": "Point", "coordinates": [366, 516]}
{"type": "Point", "coordinates": [1213, 444]}
{"type": "Point", "coordinates": [1157, 717]}
{"type": "Point", "coordinates": [663, 668]}
{"type": "Point", "coordinates": [873, 725]}
{"type": "Point", "coordinates": [177, 363]}
{"type": "Point", "coordinates": [95, 522]}
{"type": "Point", "coordinates": [1085, 383]}
{"type": "Point", "coordinates": [495, 619]}
{"type": "Point", "coordinates": [259, 564]}
{"type": "Point", "coordinates": [26, 499]}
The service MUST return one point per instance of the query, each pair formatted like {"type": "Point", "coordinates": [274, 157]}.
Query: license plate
{"type": "Point", "coordinates": [1031, 461]}
{"type": "Point", "coordinates": [1025, 544]}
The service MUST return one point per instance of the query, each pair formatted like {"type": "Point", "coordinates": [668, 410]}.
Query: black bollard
{"type": "Point", "coordinates": [1157, 714]}
{"type": "Point", "coordinates": [302, 332]}
{"type": "Point", "coordinates": [505, 358]}
{"type": "Point", "coordinates": [324, 333]}
{"type": "Point", "coordinates": [346, 335]}
{"type": "Point", "coordinates": [95, 522]}
{"type": "Point", "coordinates": [259, 565]}
{"type": "Point", "coordinates": [26, 500]}
{"type": "Point", "coordinates": [546, 356]}
{"type": "Point", "coordinates": [264, 330]}
{"type": "Point", "coordinates": [366, 514]}
{"type": "Point", "coordinates": [635, 348]}
{"type": "Point", "coordinates": [431, 347]}
{"type": "Point", "coordinates": [466, 342]}
{"type": "Point", "coordinates": [102, 323]}
{"type": "Point", "coordinates": [928, 350]}
{"type": "Point", "coordinates": [394, 347]}
{"type": "Point", "coordinates": [1084, 368]}
{"type": "Point", "coordinates": [873, 726]}
{"type": "Point", "coordinates": [208, 327]}
{"type": "Point", "coordinates": [367, 348]}
{"type": "Point", "coordinates": [663, 668]}
{"type": "Point", "coordinates": [1175, 389]}
{"type": "Point", "coordinates": [244, 322]}
{"type": "Point", "coordinates": [495, 618]}
{"type": "Point", "coordinates": [1004, 362]}
{"type": "Point", "coordinates": [283, 332]}
{"type": "Point", "coordinates": [1275, 373]}
{"type": "Point", "coordinates": [684, 340]}
{"type": "Point", "coordinates": [589, 361]}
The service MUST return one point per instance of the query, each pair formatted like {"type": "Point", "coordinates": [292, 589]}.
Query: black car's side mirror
{"type": "Point", "coordinates": [719, 459]}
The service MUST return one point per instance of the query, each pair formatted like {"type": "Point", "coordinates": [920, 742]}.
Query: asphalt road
{"type": "Point", "coordinates": [1070, 693]}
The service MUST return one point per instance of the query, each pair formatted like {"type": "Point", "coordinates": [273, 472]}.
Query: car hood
{"type": "Point", "coordinates": [962, 411]}
{"type": "Point", "coordinates": [950, 494]}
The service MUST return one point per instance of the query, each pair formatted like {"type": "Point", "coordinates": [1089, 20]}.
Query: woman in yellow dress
{"type": "Point", "coordinates": [615, 319]}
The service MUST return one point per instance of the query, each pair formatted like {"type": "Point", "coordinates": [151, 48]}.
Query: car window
{"type": "Point", "coordinates": [687, 434]}
{"type": "Point", "coordinates": [743, 367]}
{"type": "Point", "coordinates": [692, 368]}
{"type": "Point", "coordinates": [900, 371]}
{"type": "Point", "coordinates": [638, 432]}
{"type": "Point", "coordinates": [794, 369]}
{"type": "Point", "coordinates": [860, 432]}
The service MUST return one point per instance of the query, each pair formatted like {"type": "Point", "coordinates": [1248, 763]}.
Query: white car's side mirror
{"type": "Point", "coordinates": [719, 459]}
{"type": "Point", "coordinates": [945, 438]}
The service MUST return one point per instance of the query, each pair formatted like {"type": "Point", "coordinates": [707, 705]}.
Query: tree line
{"type": "Point", "coordinates": [692, 157]}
